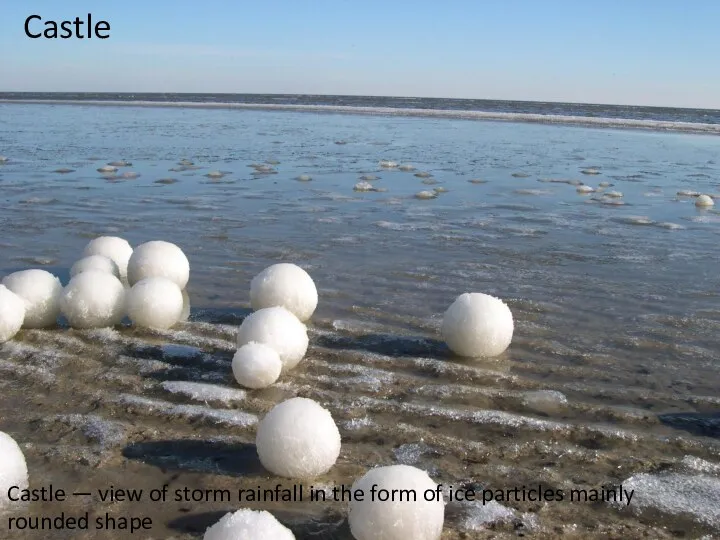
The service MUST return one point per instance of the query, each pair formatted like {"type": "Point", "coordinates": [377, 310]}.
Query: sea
{"type": "Point", "coordinates": [582, 218]}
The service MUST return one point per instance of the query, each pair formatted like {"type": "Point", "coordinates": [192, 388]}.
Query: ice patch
{"type": "Point", "coordinates": [205, 392]}
{"type": "Point", "coordinates": [676, 494]}
{"type": "Point", "coordinates": [229, 417]}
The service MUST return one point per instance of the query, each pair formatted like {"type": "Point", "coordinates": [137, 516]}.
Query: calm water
{"type": "Point", "coordinates": [612, 377]}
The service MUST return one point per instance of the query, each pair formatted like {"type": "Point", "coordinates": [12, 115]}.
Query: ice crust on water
{"type": "Point", "coordinates": [399, 520]}
{"type": "Point", "coordinates": [248, 524]}
{"type": "Point", "coordinates": [106, 433]}
{"type": "Point", "coordinates": [228, 417]}
{"type": "Point", "coordinates": [677, 494]}
{"type": "Point", "coordinates": [298, 439]}
{"type": "Point", "coordinates": [205, 392]}
{"type": "Point", "coordinates": [478, 516]}
{"type": "Point", "coordinates": [41, 292]}
{"type": "Point", "coordinates": [286, 285]}
{"type": "Point", "coordinates": [13, 468]}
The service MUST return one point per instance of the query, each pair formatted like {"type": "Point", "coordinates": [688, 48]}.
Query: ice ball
{"type": "Point", "coordinates": [478, 324]}
{"type": "Point", "coordinates": [155, 302]}
{"type": "Point", "coordinates": [285, 285]}
{"type": "Point", "coordinates": [401, 517]}
{"type": "Point", "coordinates": [12, 314]}
{"type": "Point", "coordinates": [256, 365]}
{"type": "Point", "coordinates": [93, 299]}
{"type": "Point", "coordinates": [704, 200]}
{"type": "Point", "coordinates": [159, 259]}
{"type": "Point", "coordinates": [41, 291]}
{"type": "Point", "coordinates": [95, 262]}
{"type": "Point", "coordinates": [298, 439]}
{"type": "Point", "coordinates": [116, 249]}
{"type": "Point", "coordinates": [248, 524]}
{"type": "Point", "coordinates": [13, 468]}
{"type": "Point", "coordinates": [279, 329]}
{"type": "Point", "coordinates": [185, 315]}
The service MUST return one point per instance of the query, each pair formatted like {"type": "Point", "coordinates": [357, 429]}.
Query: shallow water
{"type": "Point", "coordinates": [612, 377]}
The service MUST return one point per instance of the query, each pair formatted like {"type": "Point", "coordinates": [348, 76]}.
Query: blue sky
{"type": "Point", "coordinates": [638, 52]}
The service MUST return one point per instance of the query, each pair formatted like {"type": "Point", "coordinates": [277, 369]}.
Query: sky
{"type": "Point", "coordinates": [631, 52]}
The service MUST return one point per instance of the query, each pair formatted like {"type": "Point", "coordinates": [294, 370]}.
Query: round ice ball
{"type": "Point", "coordinates": [12, 314]}
{"type": "Point", "coordinates": [13, 468]}
{"type": "Point", "coordinates": [41, 291]}
{"type": "Point", "coordinates": [704, 200]}
{"type": "Point", "coordinates": [278, 328]}
{"type": "Point", "coordinates": [185, 315]}
{"type": "Point", "coordinates": [95, 262]}
{"type": "Point", "coordinates": [285, 285]}
{"type": "Point", "coordinates": [155, 302]}
{"type": "Point", "coordinates": [248, 524]}
{"type": "Point", "coordinates": [159, 259]}
{"type": "Point", "coordinates": [404, 518]}
{"type": "Point", "coordinates": [298, 439]}
{"type": "Point", "coordinates": [93, 299]}
{"type": "Point", "coordinates": [478, 324]}
{"type": "Point", "coordinates": [116, 249]}
{"type": "Point", "coordinates": [256, 365]}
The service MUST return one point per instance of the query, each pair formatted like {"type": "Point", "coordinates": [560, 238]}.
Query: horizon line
{"type": "Point", "coordinates": [362, 95]}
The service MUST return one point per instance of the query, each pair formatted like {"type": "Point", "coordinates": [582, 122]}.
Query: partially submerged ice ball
{"type": "Point", "coordinates": [478, 324]}
{"type": "Point", "coordinates": [12, 314]}
{"type": "Point", "coordinates": [41, 291]}
{"type": "Point", "coordinates": [114, 248]}
{"type": "Point", "coordinates": [95, 262]}
{"type": "Point", "coordinates": [248, 524]}
{"type": "Point", "coordinates": [400, 517]}
{"type": "Point", "coordinates": [286, 285]}
{"type": "Point", "coordinates": [155, 302]}
{"type": "Point", "coordinates": [298, 439]}
{"type": "Point", "coordinates": [278, 328]}
{"type": "Point", "coordinates": [159, 259]}
{"type": "Point", "coordinates": [13, 468]}
{"type": "Point", "coordinates": [93, 299]}
{"type": "Point", "coordinates": [704, 200]}
{"type": "Point", "coordinates": [256, 365]}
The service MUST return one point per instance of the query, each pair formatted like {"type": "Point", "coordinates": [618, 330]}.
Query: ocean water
{"type": "Point", "coordinates": [612, 378]}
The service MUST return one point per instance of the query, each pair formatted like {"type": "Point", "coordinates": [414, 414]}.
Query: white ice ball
{"type": "Point", "coordinates": [155, 302]}
{"type": "Point", "coordinates": [381, 519]}
{"type": "Point", "coordinates": [41, 291]}
{"type": "Point", "coordinates": [116, 249]}
{"type": "Point", "coordinates": [248, 524]}
{"type": "Point", "coordinates": [704, 200]}
{"type": "Point", "coordinates": [298, 439]}
{"type": "Point", "coordinates": [478, 324]}
{"type": "Point", "coordinates": [13, 468]}
{"type": "Point", "coordinates": [93, 299]}
{"type": "Point", "coordinates": [12, 314]}
{"type": "Point", "coordinates": [159, 259]}
{"type": "Point", "coordinates": [256, 365]}
{"type": "Point", "coordinates": [95, 262]}
{"type": "Point", "coordinates": [285, 285]}
{"type": "Point", "coordinates": [185, 315]}
{"type": "Point", "coordinates": [279, 329]}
